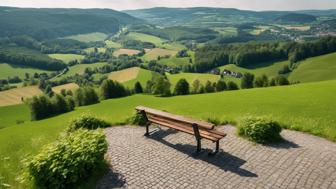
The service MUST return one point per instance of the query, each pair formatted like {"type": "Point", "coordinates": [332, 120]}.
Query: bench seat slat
{"type": "Point", "coordinates": [183, 129]}
{"type": "Point", "coordinates": [210, 133]}
{"type": "Point", "coordinates": [175, 117]}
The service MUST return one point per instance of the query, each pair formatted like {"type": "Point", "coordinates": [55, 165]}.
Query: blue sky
{"type": "Point", "coordinates": [136, 4]}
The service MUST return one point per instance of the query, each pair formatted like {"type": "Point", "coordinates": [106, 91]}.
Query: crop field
{"type": "Point", "coordinates": [191, 77]}
{"type": "Point", "coordinates": [315, 69]}
{"type": "Point", "coordinates": [68, 86]}
{"type": "Point", "coordinates": [7, 70]}
{"type": "Point", "coordinates": [129, 52]}
{"type": "Point", "coordinates": [307, 107]}
{"type": "Point", "coordinates": [130, 76]}
{"type": "Point", "coordinates": [13, 96]}
{"type": "Point", "coordinates": [79, 69]}
{"type": "Point", "coordinates": [156, 52]}
{"type": "Point", "coordinates": [100, 50]}
{"type": "Point", "coordinates": [90, 37]}
{"type": "Point", "coordinates": [173, 46]}
{"type": "Point", "coordinates": [174, 62]}
{"type": "Point", "coordinates": [66, 58]}
{"type": "Point", "coordinates": [112, 44]}
{"type": "Point", "coordinates": [145, 38]}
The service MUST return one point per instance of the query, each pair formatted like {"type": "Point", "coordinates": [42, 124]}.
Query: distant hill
{"type": "Point", "coordinates": [205, 16]}
{"type": "Point", "coordinates": [53, 23]}
{"type": "Point", "coordinates": [296, 18]}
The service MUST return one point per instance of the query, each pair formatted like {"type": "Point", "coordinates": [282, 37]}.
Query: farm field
{"type": "Point", "coordinates": [130, 76]}
{"type": "Point", "coordinates": [307, 107]}
{"type": "Point", "coordinates": [13, 96]}
{"type": "Point", "coordinates": [145, 38]}
{"type": "Point", "coordinates": [100, 50]}
{"type": "Point", "coordinates": [190, 77]}
{"type": "Point", "coordinates": [7, 70]}
{"type": "Point", "coordinates": [66, 58]}
{"type": "Point", "coordinates": [68, 86]}
{"type": "Point", "coordinates": [315, 69]}
{"type": "Point", "coordinates": [129, 52]}
{"type": "Point", "coordinates": [174, 62]}
{"type": "Point", "coordinates": [153, 54]}
{"type": "Point", "coordinates": [90, 37]}
{"type": "Point", "coordinates": [226, 31]}
{"type": "Point", "coordinates": [79, 69]}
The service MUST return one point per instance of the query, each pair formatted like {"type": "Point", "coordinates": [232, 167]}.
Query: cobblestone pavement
{"type": "Point", "coordinates": [167, 160]}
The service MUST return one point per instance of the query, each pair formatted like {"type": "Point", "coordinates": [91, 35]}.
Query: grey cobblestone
{"type": "Point", "coordinates": [167, 160]}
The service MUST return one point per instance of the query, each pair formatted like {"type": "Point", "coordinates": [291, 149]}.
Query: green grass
{"type": "Point", "coordinates": [153, 54]}
{"type": "Point", "coordinates": [190, 77]}
{"type": "Point", "coordinates": [100, 50]}
{"type": "Point", "coordinates": [90, 37]}
{"type": "Point", "coordinates": [145, 38]}
{"type": "Point", "coordinates": [307, 107]}
{"type": "Point", "coordinates": [173, 46]}
{"type": "Point", "coordinates": [315, 69]}
{"type": "Point", "coordinates": [174, 62]}
{"type": "Point", "coordinates": [7, 70]}
{"type": "Point", "coordinates": [15, 115]}
{"type": "Point", "coordinates": [79, 69]}
{"type": "Point", "coordinates": [66, 58]}
{"type": "Point", "coordinates": [143, 77]}
{"type": "Point", "coordinates": [112, 44]}
{"type": "Point", "coordinates": [226, 31]}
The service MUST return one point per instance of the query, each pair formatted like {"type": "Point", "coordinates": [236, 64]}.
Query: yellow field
{"type": "Point", "coordinates": [124, 75]}
{"type": "Point", "coordinates": [129, 52]}
{"type": "Point", "coordinates": [69, 86]}
{"type": "Point", "coordinates": [13, 96]}
{"type": "Point", "coordinates": [153, 54]}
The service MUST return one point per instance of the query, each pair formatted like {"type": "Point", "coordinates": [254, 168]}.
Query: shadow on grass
{"type": "Point", "coordinates": [222, 160]}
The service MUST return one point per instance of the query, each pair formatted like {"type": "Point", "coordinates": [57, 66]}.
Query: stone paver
{"type": "Point", "coordinates": [167, 160]}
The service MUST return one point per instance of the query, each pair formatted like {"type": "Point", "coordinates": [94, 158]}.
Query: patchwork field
{"type": "Point", "coordinates": [67, 57]}
{"type": "Point", "coordinates": [129, 52]}
{"type": "Point", "coordinates": [307, 107]}
{"type": "Point", "coordinates": [15, 96]}
{"type": "Point", "coordinates": [153, 54]}
{"type": "Point", "coordinates": [7, 70]}
{"type": "Point", "coordinates": [68, 86]}
{"type": "Point", "coordinates": [315, 69]}
{"type": "Point", "coordinates": [90, 37]}
{"type": "Point", "coordinates": [130, 76]}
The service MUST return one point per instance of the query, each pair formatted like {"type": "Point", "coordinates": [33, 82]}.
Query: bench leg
{"type": "Point", "coordinates": [147, 129]}
{"type": "Point", "coordinates": [199, 146]}
{"type": "Point", "coordinates": [216, 149]}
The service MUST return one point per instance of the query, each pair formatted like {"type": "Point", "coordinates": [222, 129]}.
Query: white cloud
{"type": "Point", "coordinates": [135, 4]}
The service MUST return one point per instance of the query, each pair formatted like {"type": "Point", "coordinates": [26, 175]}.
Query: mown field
{"type": "Point", "coordinates": [129, 52]}
{"type": "Point", "coordinates": [66, 58]}
{"type": "Point", "coordinates": [153, 54]}
{"type": "Point", "coordinates": [15, 96]}
{"type": "Point", "coordinates": [145, 38]}
{"type": "Point", "coordinates": [112, 44]}
{"type": "Point", "coordinates": [315, 69]}
{"type": "Point", "coordinates": [68, 86]}
{"type": "Point", "coordinates": [191, 77]}
{"type": "Point", "coordinates": [130, 76]}
{"type": "Point", "coordinates": [90, 37]}
{"type": "Point", "coordinates": [307, 107]}
{"type": "Point", "coordinates": [7, 70]}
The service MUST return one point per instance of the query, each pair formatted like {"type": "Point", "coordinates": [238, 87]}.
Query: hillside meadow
{"type": "Point", "coordinates": [305, 107]}
{"type": "Point", "coordinates": [8, 70]}
{"type": "Point", "coordinates": [66, 58]}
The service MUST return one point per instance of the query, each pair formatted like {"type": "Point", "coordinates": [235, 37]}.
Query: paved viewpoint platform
{"type": "Point", "coordinates": [166, 160]}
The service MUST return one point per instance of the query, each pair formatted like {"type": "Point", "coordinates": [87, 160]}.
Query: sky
{"type": "Point", "coordinates": [138, 4]}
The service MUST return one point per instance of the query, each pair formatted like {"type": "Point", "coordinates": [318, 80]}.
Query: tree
{"type": "Point", "coordinates": [281, 80]}
{"type": "Point", "coordinates": [196, 85]}
{"type": "Point", "coordinates": [85, 96]}
{"type": "Point", "coordinates": [261, 81]}
{"type": "Point", "coordinates": [232, 86]}
{"type": "Point", "coordinates": [181, 87]}
{"type": "Point", "coordinates": [112, 89]}
{"type": "Point", "coordinates": [161, 87]}
{"type": "Point", "coordinates": [209, 87]}
{"type": "Point", "coordinates": [247, 81]}
{"type": "Point", "coordinates": [138, 88]}
{"type": "Point", "coordinates": [221, 86]}
{"type": "Point", "coordinates": [48, 90]}
{"type": "Point", "coordinates": [40, 107]}
{"type": "Point", "coordinates": [60, 104]}
{"type": "Point", "coordinates": [272, 82]}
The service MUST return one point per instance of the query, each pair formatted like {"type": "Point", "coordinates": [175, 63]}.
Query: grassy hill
{"type": "Point", "coordinates": [153, 54]}
{"type": "Point", "coordinates": [90, 37]}
{"type": "Point", "coordinates": [308, 107]}
{"type": "Point", "coordinates": [7, 70]}
{"type": "Point", "coordinates": [67, 57]}
{"type": "Point", "coordinates": [145, 38]}
{"type": "Point", "coordinates": [68, 86]}
{"type": "Point", "coordinates": [190, 77]}
{"type": "Point", "coordinates": [315, 69]}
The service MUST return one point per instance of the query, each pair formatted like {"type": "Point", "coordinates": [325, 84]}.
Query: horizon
{"type": "Point", "coordinates": [256, 5]}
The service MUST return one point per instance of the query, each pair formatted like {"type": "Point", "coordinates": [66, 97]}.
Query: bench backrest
{"type": "Point", "coordinates": [157, 114]}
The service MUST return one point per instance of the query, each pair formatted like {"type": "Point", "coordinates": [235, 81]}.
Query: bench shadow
{"type": "Point", "coordinates": [283, 144]}
{"type": "Point", "coordinates": [222, 160]}
{"type": "Point", "coordinates": [112, 179]}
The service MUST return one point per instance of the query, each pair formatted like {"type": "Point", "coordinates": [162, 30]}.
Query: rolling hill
{"type": "Point", "coordinates": [130, 76]}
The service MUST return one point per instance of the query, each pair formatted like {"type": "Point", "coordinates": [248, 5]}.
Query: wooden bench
{"type": "Point", "coordinates": [200, 129]}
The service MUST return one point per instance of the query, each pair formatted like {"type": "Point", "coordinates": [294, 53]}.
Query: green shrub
{"type": "Point", "coordinates": [68, 161]}
{"type": "Point", "coordinates": [138, 119]}
{"type": "Point", "coordinates": [260, 130]}
{"type": "Point", "coordinates": [87, 121]}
